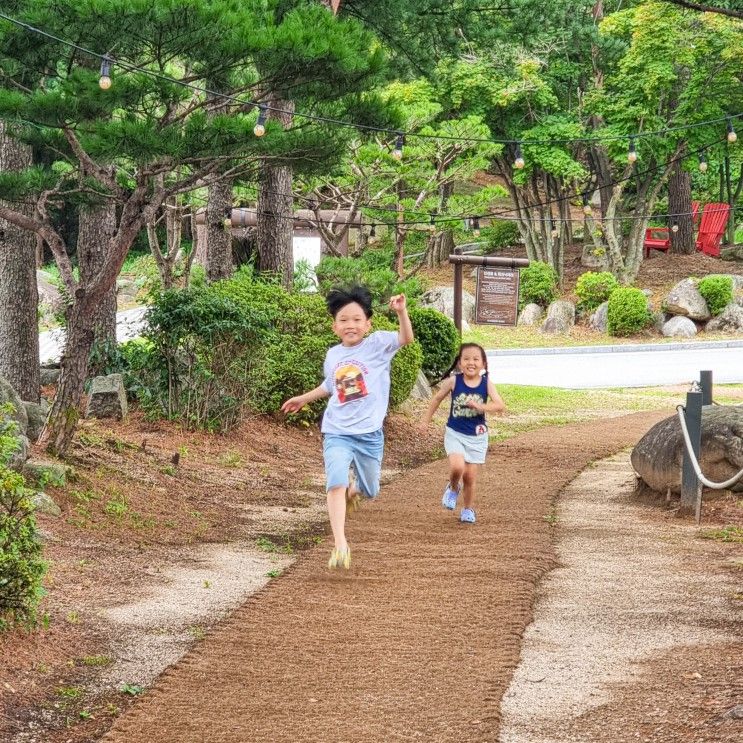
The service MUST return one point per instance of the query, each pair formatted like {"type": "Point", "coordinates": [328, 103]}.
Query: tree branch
{"type": "Point", "coordinates": [704, 8]}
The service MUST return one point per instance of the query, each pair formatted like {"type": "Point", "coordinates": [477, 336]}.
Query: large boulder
{"type": "Point", "coordinates": [421, 389]}
{"type": "Point", "coordinates": [599, 320]}
{"type": "Point", "coordinates": [107, 398]}
{"type": "Point", "coordinates": [9, 395]}
{"type": "Point", "coordinates": [530, 315]}
{"type": "Point", "coordinates": [685, 299]}
{"type": "Point", "coordinates": [730, 320]}
{"type": "Point", "coordinates": [679, 327]}
{"type": "Point", "coordinates": [560, 317]}
{"type": "Point", "coordinates": [37, 413]}
{"type": "Point", "coordinates": [49, 293]}
{"type": "Point", "coordinates": [658, 456]}
{"type": "Point", "coordinates": [441, 298]}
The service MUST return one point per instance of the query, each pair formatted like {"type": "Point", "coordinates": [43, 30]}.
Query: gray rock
{"type": "Point", "coordinates": [20, 455]}
{"type": "Point", "coordinates": [679, 327]}
{"type": "Point", "coordinates": [530, 315]}
{"type": "Point", "coordinates": [735, 713]}
{"type": "Point", "coordinates": [44, 504]}
{"type": "Point", "coordinates": [730, 320]}
{"type": "Point", "coordinates": [421, 389]}
{"type": "Point", "coordinates": [659, 320]}
{"type": "Point", "coordinates": [49, 292]}
{"type": "Point", "coordinates": [37, 413]}
{"type": "Point", "coordinates": [9, 395]}
{"type": "Point", "coordinates": [657, 457]}
{"type": "Point", "coordinates": [43, 472]}
{"type": "Point", "coordinates": [599, 320]}
{"type": "Point", "coordinates": [50, 375]}
{"type": "Point", "coordinates": [560, 317]}
{"type": "Point", "coordinates": [107, 398]}
{"type": "Point", "coordinates": [127, 288]}
{"type": "Point", "coordinates": [592, 257]}
{"type": "Point", "coordinates": [685, 300]}
{"type": "Point", "coordinates": [441, 298]}
{"type": "Point", "coordinates": [732, 254]}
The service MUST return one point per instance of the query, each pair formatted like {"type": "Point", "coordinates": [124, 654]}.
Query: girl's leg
{"type": "Point", "coordinates": [337, 514]}
{"type": "Point", "coordinates": [469, 476]}
{"type": "Point", "coordinates": [456, 470]}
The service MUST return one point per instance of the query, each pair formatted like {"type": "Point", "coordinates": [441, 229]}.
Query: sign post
{"type": "Point", "coordinates": [497, 289]}
{"type": "Point", "coordinates": [497, 296]}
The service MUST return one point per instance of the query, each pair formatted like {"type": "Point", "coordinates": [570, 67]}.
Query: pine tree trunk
{"type": "Point", "coordinates": [97, 227]}
{"type": "Point", "coordinates": [65, 413]}
{"type": "Point", "coordinates": [276, 210]}
{"type": "Point", "coordinates": [219, 231]}
{"type": "Point", "coordinates": [679, 209]}
{"type": "Point", "coordinates": [19, 297]}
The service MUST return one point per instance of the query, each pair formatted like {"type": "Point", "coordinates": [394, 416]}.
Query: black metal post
{"type": "Point", "coordinates": [458, 292]}
{"type": "Point", "coordinates": [691, 488]}
{"type": "Point", "coordinates": [705, 382]}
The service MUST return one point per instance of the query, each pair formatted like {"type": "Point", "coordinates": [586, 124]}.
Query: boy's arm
{"type": "Point", "coordinates": [446, 387]}
{"type": "Point", "coordinates": [400, 306]}
{"type": "Point", "coordinates": [295, 404]}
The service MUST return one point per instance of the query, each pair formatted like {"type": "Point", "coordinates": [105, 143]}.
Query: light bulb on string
{"type": "Point", "coordinates": [228, 217]}
{"type": "Point", "coordinates": [105, 79]}
{"type": "Point", "coordinates": [703, 163]}
{"type": "Point", "coordinates": [732, 136]}
{"type": "Point", "coordinates": [476, 226]}
{"type": "Point", "coordinates": [260, 126]}
{"type": "Point", "coordinates": [632, 154]}
{"type": "Point", "coordinates": [399, 143]}
{"type": "Point", "coordinates": [675, 227]}
{"type": "Point", "coordinates": [519, 162]}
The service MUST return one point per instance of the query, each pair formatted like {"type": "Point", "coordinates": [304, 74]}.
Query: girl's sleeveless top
{"type": "Point", "coordinates": [462, 418]}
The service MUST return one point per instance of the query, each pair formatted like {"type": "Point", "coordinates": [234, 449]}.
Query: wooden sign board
{"type": "Point", "coordinates": [497, 301]}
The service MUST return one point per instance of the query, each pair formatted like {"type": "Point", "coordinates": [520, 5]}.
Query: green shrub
{"type": "Point", "coordinates": [717, 292]}
{"type": "Point", "coordinates": [21, 566]}
{"type": "Point", "coordinates": [594, 289]}
{"type": "Point", "coordinates": [405, 365]}
{"type": "Point", "coordinates": [538, 284]}
{"type": "Point", "coordinates": [500, 234]}
{"type": "Point", "coordinates": [439, 341]}
{"type": "Point", "coordinates": [628, 311]}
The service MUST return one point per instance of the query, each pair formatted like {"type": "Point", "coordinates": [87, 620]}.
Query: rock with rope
{"type": "Point", "coordinates": [658, 456]}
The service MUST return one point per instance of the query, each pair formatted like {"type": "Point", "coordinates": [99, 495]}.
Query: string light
{"type": "Point", "coordinates": [519, 163]}
{"type": "Point", "coordinates": [732, 136]}
{"type": "Point", "coordinates": [675, 226]}
{"type": "Point", "coordinates": [476, 226]}
{"type": "Point", "coordinates": [702, 162]}
{"type": "Point", "coordinates": [632, 154]}
{"type": "Point", "coordinates": [399, 143]}
{"type": "Point", "coordinates": [260, 126]}
{"type": "Point", "coordinates": [105, 79]}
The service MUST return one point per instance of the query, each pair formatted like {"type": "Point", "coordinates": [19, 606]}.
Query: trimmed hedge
{"type": "Point", "coordinates": [439, 340]}
{"type": "Point", "coordinates": [593, 289]}
{"type": "Point", "coordinates": [717, 292]}
{"type": "Point", "coordinates": [628, 311]}
{"type": "Point", "coordinates": [538, 284]}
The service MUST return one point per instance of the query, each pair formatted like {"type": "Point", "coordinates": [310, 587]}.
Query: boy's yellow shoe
{"type": "Point", "coordinates": [340, 558]}
{"type": "Point", "coordinates": [353, 502]}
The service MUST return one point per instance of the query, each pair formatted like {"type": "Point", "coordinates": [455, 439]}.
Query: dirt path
{"type": "Point", "coordinates": [418, 641]}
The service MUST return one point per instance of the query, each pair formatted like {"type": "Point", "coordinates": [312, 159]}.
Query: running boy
{"type": "Point", "coordinates": [357, 380]}
{"type": "Point", "coordinates": [466, 436]}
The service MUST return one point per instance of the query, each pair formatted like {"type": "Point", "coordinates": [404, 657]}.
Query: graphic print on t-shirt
{"type": "Point", "coordinates": [349, 381]}
{"type": "Point", "coordinates": [459, 405]}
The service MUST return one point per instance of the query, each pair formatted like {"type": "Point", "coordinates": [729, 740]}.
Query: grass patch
{"type": "Point", "coordinates": [726, 534]}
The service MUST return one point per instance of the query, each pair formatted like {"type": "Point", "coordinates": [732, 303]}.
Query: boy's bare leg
{"type": "Point", "coordinates": [468, 479]}
{"type": "Point", "coordinates": [337, 514]}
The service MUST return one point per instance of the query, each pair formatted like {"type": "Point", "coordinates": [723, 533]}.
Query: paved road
{"type": "Point", "coordinates": [128, 325]}
{"type": "Point", "coordinates": [618, 366]}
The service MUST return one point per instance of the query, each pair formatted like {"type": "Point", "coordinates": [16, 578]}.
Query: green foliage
{"type": "Point", "coordinates": [594, 289]}
{"type": "Point", "coordinates": [439, 341]}
{"type": "Point", "coordinates": [628, 311]}
{"type": "Point", "coordinates": [717, 292]}
{"type": "Point", "coordinates": [500, 234]}
{"type": "Point", "coordinates": [373, 269]}
{"type": "Point", "coordinates": [405, 365]}
{"type": "Point", "coordinates": [538, 284]}
{"type": "Point", "coordinates": [21, 566]}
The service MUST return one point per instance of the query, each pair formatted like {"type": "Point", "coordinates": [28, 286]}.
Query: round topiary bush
{"type": "Point", "coordinates": [538, 284]}
{"type": "Point", "coordinates": [439, 340]}
{"type": "Point", "coordinates": [717, 292]}
{"type": "Point", "coordinates": [628, 311]}
{"type": "Point", "coordinates": [593, 289]}
{"type": "Point", "coordinates": [500, 234]}
{"type": "Point", "coordinates": [406, 364]}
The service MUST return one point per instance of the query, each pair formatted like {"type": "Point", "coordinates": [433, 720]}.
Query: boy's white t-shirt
{"type": "Point", "coordinates": [358, 380]}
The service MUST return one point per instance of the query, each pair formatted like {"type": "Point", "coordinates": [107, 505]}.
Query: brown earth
{"type": "Point", "coordinates": [420, 638]}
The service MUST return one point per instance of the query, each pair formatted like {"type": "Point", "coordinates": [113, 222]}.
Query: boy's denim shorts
{"type": "Point", "coordinates": [362, 451]}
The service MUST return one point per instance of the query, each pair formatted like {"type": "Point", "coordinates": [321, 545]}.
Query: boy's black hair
{"type": "Point", "coordinates": [339, 297]}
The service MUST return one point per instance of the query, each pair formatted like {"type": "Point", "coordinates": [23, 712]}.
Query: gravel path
{"type": "Point", "coordinates": [417, 642]}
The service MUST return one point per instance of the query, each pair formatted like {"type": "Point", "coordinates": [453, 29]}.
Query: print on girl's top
{"type": "Point", "coordinates": [349, 381]}
{"type": "Point", "coordinates": [459, 407]}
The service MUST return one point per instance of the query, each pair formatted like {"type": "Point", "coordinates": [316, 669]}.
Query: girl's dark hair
{"type": "Point", "coordinates": [462, 348]}
{"type": "Point", "coordinates": [339, 297]}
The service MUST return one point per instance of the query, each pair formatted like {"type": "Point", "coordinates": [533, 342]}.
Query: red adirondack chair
{"type": "Point", "coordinates": [657, 238]}
{"type": "Point", "coordinates": [712, 228]}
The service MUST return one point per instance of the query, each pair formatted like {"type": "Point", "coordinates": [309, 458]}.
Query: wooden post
{"type": "Point", "coordinates": [705, 382]}
{"type": "Point", "coordinates": [691, 488]}
{"type": "Point", "coordinates": [458, 293]}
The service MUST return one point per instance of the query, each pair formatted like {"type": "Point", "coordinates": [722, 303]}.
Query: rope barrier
{"type": "Point", "coordinates": [695, 463]}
